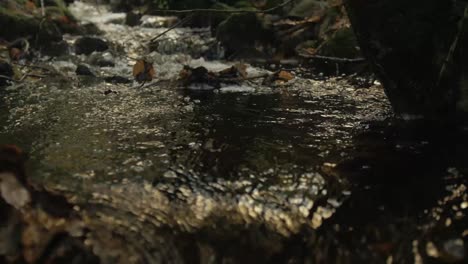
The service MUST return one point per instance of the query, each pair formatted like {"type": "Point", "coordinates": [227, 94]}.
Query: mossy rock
{"type": "Point", "coordinates": [18, 21]}
{"type": "Point", "coordinates": [342, 44]}
{"type": "Point", "coordinates": [16, 25]}
{"type": "Point", "coordinates": [242, 33]}
{"type": "Point", "coordinates": [308, 8]}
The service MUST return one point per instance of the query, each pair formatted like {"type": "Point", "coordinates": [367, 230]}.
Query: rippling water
{"type": "Point", "coordinates": [313, 171]}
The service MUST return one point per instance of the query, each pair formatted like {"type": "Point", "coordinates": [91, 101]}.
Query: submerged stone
{"type": "Point", "coordinates": [88, 45]}
{"type": "Point", "coordinates": [56, 49]}
{"type": "Point", "coordinates": [82, 69]}
{"type": "Point", "coordinates": [117, 79]}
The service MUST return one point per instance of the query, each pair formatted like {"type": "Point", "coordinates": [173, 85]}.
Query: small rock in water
{"type": "Point", "coordinates": [84, 70]}
{"type": "Point", "coordinates": [12, 191]}
{"type": "Point", "coordinates": [133, 19]}
{"type": "Point", "coordinates": [107, 92]}
{"type": "Point", "coordinates": [116, 79]}
{"type": "Point", "coordinates": [88, 45]}
{"type": "Point", "coordinates": [157, 21]}
{"type": "Point", "coordinates": [5, 70]}
{"type": "Point", "coordinates": [56, 49]}
{"type": "Point", "coordinates": [90, 29]}
{"type": "Point", "coordinates": [102, 59]}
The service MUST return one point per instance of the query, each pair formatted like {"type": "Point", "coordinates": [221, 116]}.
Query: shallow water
{"type": "Point", "coordinates": [311, 171]}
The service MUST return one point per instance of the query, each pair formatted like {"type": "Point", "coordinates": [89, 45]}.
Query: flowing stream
{"type": "Point", "coordinates": [312, 171]}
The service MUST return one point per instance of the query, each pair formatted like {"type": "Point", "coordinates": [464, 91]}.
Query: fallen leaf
{"type": "Point", "coordinates": [143, 71]}
{"type": "Point", "coordinates": [278, 77]}
{"type": "Point", "coordinates": [30, 6]}
{"type": "Point", "coordinates": [18, 49]}
{"type": "Point", "coordinates": [285, 76]}
{"type": "Point", "coordinates": [15, 54]}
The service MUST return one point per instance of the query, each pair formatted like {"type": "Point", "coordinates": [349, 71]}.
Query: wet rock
{"type": "Point", "coordinates": [12, 191]}
{"type": "Point", "coordinates": [83, 70]}
{"type": "Point", "coordinates": [6, 70]}
{"type": "Point", "coordinates": [19, 23]}
{"type": "Point", "coordinates": [117, 79]}
{"type": "Point", "coordinates": [308, 8]}
{"type": "Point", "coordinates": [133, 19]}
{"type": "Point", "coordinates": [157, 21]}
{"type": "Point", "coordinates": [342, 44]}
{"type": "Point", "coordinates": [244, 35]}
{"type": "Point", "coordinates": [90, 29]}
{"type": "Point", "coordinates": [107, 92]}
{"type": "Point", "coordinates": [56, 49]}
{"type": "Point", "coordinates": [102, 59]}
{"type": "Point", "coordinates": [88, 45]}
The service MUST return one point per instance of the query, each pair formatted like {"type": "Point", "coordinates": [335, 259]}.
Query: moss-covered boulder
{"type": "Point", "coordinates": [24, 19]}
{"type": "Point", "coordinates": [342, 43]}
{"type": "Point", "coordinates": [244, 35]}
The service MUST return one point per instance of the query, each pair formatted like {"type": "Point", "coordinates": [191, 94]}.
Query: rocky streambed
{"type": "Point", "coordinates": [308, 171]}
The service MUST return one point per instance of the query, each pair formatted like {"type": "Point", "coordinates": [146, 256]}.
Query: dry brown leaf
{"type": "Point", "coordinates": [278, 77]}
{"type": "Point", "coordinates": [143, 71]}
{"type": "Point", "coordinates": [285, 76]}
{"type": "Point", "coordinates": [236, 71]}
{"type": "Point", "coordinates": [30, 6]}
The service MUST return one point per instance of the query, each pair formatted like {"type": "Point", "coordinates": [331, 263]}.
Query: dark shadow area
{"type": "Point", "coordinates": [408, 179]}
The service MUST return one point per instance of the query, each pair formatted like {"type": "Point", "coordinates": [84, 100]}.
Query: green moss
{"type": "Point", "coordinates": [341, 44]}
{"type": "Point", "coordinates": [242, 32]}
{"type": "Point", "coordinates": [16, 25]}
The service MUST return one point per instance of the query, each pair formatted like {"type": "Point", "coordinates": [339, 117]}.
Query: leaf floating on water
{"type": "Point", "coordinates": [278, 77]}
{"type": "Point", "coordinates": [285, 76]}
{"type": "Point", "coordinates": [143, 71]}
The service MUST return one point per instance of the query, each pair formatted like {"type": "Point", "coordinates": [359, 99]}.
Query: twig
{"type": "Point", "coordinates": [147, 84]}
{"type": "Point", "coordinates": [333, 59]}
{"type": "Point", "coordinates": [453, 47]}
{"type": "Point", "coordinates": [7, 78]}
{"type": "Point", "coordinates": [35, 75]}
{"type": "Point", "coordinates": [35, 67]}
{"type": "Point", "coordinates": [183, 21]}
{"type": "Point", "coordinates": [42, 8]}
{"type": "Point", "coordinates": [23, 77]}
{"type": "Point", "coordinates": [208, 10]}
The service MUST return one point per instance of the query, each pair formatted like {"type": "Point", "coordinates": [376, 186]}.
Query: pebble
{"type": "Point", "coordinates": [83, 70]}
{"type": "Point", "coordinates": [88, 45]}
